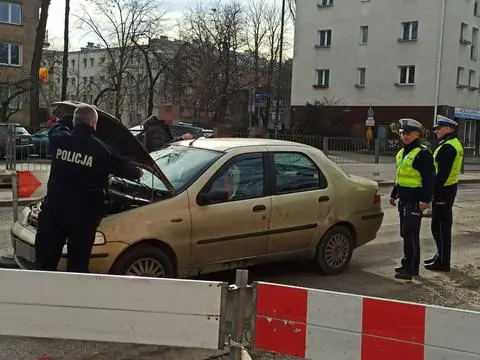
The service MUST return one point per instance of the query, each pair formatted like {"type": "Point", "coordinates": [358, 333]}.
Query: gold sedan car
{"type": "Point", "coordinates": [213, 204]}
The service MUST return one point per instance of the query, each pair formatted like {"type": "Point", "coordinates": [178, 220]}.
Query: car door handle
{"type": "Point", "coordinates": [258, 208]}
{"type": "Point", "coordinates": [323, 199]}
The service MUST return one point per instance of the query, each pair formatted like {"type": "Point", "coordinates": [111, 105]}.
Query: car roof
{"type": "Point", "coordinates": [227, 144]}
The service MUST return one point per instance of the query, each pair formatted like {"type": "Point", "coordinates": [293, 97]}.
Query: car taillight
{"type": "Point", "coordinates": [377, 199]}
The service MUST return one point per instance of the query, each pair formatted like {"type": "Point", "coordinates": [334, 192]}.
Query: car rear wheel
{"type": "Point", "coordinates": [144, 261]}
{"type": "Point", "coordinates": [334, 251]}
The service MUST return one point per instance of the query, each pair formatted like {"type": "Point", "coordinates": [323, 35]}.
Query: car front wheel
{"type": "Point", "coordinates": [334, 251]}
{"type": "Point", "coordinates": [144, 261]}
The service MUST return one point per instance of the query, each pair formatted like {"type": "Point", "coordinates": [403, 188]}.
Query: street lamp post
{"type": "Point", "coordinates": [280, 68]}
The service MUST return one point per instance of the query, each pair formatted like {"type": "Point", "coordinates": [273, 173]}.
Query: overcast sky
{"type": "Point", "coordinates": [56, 19]}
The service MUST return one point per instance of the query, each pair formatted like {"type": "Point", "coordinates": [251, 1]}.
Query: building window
{"type": "Point", "coordinates": [463, 31]}
{"type": "Point", "coordinates": [324, 38]}
{"type": "Point", "coordinates": [407, 75]}
{"type": "Point", "coordinates": [73, 81]}
{"type": "Point", "coordinates": [10, 54]}
{"type": "Point", "coordinates": [85, 80]}
{"type": "Point", "coordinates": [325, 3]}
{"type": "Point", "coordinates": [84, 62]}
{"type": "Point", "coordinates": [10, 13]}
{"type": "Point", "coordinates": [73, 63]}
{"type": "Point", "coordinates": [323, 78]}
{"type": "Point", "coordinates": [410, 31]}
{"type": "Point", "coordinates": [460, 76]}
{"type": "Point", "coordinates": [471, 79]}
{"type": "Point", "coordinates": [364, 34]}
{"type": "Point", "coordinates": [92, 62]}
{"type": "Point", "coordinates": [474, 47]}
{"type": "Point", "coordinates": [362, 74]}
{"type": "Point", "coordinates": [476, 10]}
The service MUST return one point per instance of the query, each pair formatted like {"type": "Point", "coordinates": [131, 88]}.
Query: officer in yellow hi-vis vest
{"type": "Point", "coordinates": [448, 159]}
{"type": "Point", "coordinates": [413, 189]}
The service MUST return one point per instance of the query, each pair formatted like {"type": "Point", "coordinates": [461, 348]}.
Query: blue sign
{"type": "Point", "coordinates": [467, 114]}
{"type": "Point", "coordinates": [260, 100]}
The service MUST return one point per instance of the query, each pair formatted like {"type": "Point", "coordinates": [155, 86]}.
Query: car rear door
{"type": "Point", "coordinates": [301, 200]}
{"type": "Point", "coordinates": [236, 228]}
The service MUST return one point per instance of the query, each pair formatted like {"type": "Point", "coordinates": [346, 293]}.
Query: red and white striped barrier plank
{"type": "Point", "coordinates": [121, 309]}
{"type": "Point", "coordinates": [32, 184]}
{"type": "Point", "coordinates": [316, 324]}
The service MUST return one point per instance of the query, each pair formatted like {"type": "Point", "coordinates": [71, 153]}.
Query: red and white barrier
{"type": "Point", "coordinates": [32, 184]}
{"type": "Point", "coordinates": [317, 325]}
{"type": "Point", "coordinates": [120, 309]}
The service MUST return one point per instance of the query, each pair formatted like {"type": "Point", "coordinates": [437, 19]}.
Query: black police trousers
{"type": "Point", "coordinates": [410, 223]}
{"type": "Point", "coordinates": [442, 220]}
{"type": "Point", "coordinates": [54, 228]}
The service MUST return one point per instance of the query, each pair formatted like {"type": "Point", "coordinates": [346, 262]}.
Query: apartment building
{"type": "Point", "coordinates": [398, 58]}
{"type": "Point", "coordinates": [18, 24]}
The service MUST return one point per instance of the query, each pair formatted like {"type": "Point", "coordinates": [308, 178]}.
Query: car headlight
{"type": "Point", "coordinates": [100, 239]}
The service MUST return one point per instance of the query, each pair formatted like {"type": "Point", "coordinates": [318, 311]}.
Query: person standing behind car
{"type": "Point", "coordinates": [414, 188]}
{"type": "Point", "coordinates": [158, 133]}
{"type": "Point", "coordinates": [448, 158]}
{"type": "Point", "coordinates": [76, 191]}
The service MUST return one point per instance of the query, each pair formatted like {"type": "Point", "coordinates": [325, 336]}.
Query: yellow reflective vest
{"type": "Point", "coordinates": [407, 176]}
{"type": "Point", "coordinates": [457, 163]}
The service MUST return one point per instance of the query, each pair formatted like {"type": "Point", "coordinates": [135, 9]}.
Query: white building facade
{"type": "Point", "coordinates": [401, 57]}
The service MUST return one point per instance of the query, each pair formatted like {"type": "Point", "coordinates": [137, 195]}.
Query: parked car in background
{"type": "Point", "coordinates": [23, 141]}
{"type": "Point", "coordinates": [210, 205]}
{"type": "Point", "coordinates": [40, 143]}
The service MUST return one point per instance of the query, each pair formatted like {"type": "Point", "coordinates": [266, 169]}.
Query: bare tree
{"type": "Point", "coordinates": [292, 7]}
{"type": "Point", "coordinates": [216, 31]}
{"type": "Point", "coordinates": [13, 86]}
{"type": "Point", "coordinates": [117, 23]}
{"type": "Point", "coordinates": [256, 33]}
{"type": "Point", "coordinates": [36, 60]}
{"type": "Point", "coordinates": [65, 50]}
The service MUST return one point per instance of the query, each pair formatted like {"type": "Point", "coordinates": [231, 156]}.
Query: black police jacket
{"type": "Point", "coordinates": [81, 164]}
{"type": "Point", "coordinates": [423, 163]}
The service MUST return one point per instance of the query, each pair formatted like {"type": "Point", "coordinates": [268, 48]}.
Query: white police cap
{"type": "Point", "coordinates": [444, 121]}
{"type": "Point", "coordinates": [407, 125]}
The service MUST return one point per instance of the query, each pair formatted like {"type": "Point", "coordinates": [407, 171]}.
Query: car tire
{"type": "Point", "coordinates": [334, 251]}
{"type": "Point", "coordinates": [146, 257]}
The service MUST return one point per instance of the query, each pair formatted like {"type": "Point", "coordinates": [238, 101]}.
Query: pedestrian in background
{"type": "Point", "coordinates": [413, 189]}
{"type": "Point", "coordinates": [158, 133]}
{"type": "Point", "coordinates": [76, 191]}
{"type": "Point", "coordinates": [448, 159]}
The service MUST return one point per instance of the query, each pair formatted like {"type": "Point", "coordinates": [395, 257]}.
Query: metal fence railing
{"type": "Point", "coordinates": [344, 150]}
{"type": "Point", "coordinates": [22, 151]}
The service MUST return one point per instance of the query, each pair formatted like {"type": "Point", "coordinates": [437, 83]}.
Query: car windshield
{"type": "Point", "coordinates": [180, 164]}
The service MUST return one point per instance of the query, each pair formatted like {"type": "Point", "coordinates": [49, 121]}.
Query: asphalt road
{"type": "Point", "coordinates": [370, 273]}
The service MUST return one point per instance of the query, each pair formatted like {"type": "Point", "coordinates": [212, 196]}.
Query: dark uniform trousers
{"type": "Point", "coordinates": [54, 228]}
{"type": "Point", "coordinates": [442, 220]}
{"type": "Point", "coordinates": [410, 223]}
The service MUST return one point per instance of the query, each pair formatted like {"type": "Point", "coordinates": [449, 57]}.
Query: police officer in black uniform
{"type": "Point", "coordinates": [76, 191]}
{"type": "Point", "coordinates": [413, 188]}
{"type": "Point", "coordinates": [448, 159]}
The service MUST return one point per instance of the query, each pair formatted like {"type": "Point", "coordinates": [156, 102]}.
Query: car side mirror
{"type": "Point", "coordinates": [212, 197]}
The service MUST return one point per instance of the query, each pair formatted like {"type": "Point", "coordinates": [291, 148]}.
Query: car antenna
{"type": "Point", "coordinates": [191, 143]}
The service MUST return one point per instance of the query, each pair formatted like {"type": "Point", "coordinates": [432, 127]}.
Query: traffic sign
{"type": "Point", "coordinates": [261, 100]}
{"type": "Point", "coordinates": [370, 121]}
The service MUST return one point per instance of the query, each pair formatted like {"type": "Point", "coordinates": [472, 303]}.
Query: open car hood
{"type": "Point", "coordinates": [117, 136]}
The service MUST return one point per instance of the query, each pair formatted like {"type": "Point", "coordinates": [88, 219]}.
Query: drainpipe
{"type": "Point", "coordinates": [439, 60]}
